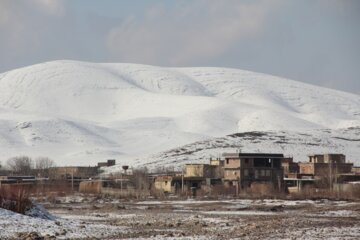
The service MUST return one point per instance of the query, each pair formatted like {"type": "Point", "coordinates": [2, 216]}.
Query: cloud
{"type": "Point", "coordinates": [190, 32]}
{"type": "Point", "coordinates": [25, 27]}
{"type": "Point", "coordinates": [13, 12]}
{"type": "Point", "coordinates": [50, 7]}
{"type": "Point", "coordinates": [313, 41]}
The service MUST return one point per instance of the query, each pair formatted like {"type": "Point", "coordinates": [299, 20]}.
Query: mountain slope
{"type": "Point", "coordinates": [81, 113]}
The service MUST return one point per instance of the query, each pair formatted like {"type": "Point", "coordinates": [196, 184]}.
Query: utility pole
{"type": "Point", "coordinates": [182, 181]}
{"type": "Point", "coordinates": [72, 181]}
{"type": "Point", "coordinates": [330, 170]}
{"type": "Point", "coordinates": [238, 187]}
{"type": "Point", "coordinates": [121, 183]}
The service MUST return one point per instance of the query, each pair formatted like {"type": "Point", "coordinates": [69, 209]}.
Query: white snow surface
{"type": "Point", "coordinates": [80, 113]}
{"type": "Point", "coordinates": [12, 223]}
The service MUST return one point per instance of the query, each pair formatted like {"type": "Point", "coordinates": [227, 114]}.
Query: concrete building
{"type": "Point", "coordinates": [325, 165]}
{"type": "Point", "coordinates": [355, 170]}
{"type": "Point", "coordinates": [289, 166]}
{"type": "Point", "coordinates": [214, 170]}
{"type": "Point", "coordinates": [327, 158]}
{"type": "Point", "coordinates": [166, 183]}
{"type": "Point", "coordinates": [108, 163]}
{"type": "Point", "coordinates": [73, 172]}
{"type": "Point", "coordinates": [321, 171]}
{"type": "Point", "coordinates": [110, 187]}
{"type": "Point", "coordinates": [198, 170]}
{"type": "Point", "coordinates": [195, 176]}
{"type": "Point", "coordinates": [243, 169]}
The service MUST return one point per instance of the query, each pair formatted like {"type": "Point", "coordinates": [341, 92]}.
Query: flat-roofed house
{"type": "Point", "coordinates": [243, 169]}
{"type": "Point", "coordinates": [321, 165]}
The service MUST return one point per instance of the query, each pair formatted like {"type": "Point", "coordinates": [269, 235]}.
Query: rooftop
{"type": "Point", "coordinates": [254, 155]}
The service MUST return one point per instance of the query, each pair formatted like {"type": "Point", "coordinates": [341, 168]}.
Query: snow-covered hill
{"type": "Point", "coordinates": [82, 113]}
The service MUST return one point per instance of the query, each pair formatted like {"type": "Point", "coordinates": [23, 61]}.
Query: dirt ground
{"type": "Point", "coordinates": [215, 219]}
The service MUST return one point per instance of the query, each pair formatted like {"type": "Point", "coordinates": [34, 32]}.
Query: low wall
{"type": "Point", "coordinates": [90, 187]}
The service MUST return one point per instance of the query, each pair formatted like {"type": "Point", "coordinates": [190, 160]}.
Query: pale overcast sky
{"type": "Point", "coordinates": [314, 41]}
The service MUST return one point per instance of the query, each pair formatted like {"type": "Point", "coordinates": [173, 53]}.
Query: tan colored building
{"type": "Point", "coordinates": [217, 166]}
{"type": "Point", "coordinates": [327, 158]}
{"type": "Point", "coordinates": [325, 165]}
{"type": "Point", "coordinates": [243, 169]}
{"type": "Point", "coordinates": [198, 170]}
{"type": "Point", "coordinates": [164, 183]}
{"type": "Point", "coordinates": [195, 176]}
{"type": "Point", "coordinates": [121, 188]}
{"type": "Point", "coordinates": [216, 162]}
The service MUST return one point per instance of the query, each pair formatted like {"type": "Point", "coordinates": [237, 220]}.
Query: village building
{"type": "Point", "coordinates": [355, 170]}
{"type": "Point", "coordinates": [194, 177]}
{"type": "Point", "coordinates": [289, 166]}
{"type": "Point", "coordinates": [112, 187]}
{"type": "Point", "coordinates": [76, 172]}
{"type": "Point", "coordinates": [108, 163]}
{"type": "Point", "coordinates": [325, 165]}
{"type": "Point", "coordinates": [167, 184]}
{"type": "Point", "coordinates": [243, 169]}
{"type": "Point", "coordinates": [321, 170]}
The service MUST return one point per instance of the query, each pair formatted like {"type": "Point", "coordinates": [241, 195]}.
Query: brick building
{"type": "Point", "coordinates": [243, 169]}
{"type": "Point", "coordinates": [325, 165]}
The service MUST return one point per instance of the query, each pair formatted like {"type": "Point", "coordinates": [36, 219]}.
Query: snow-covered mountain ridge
{"type": "Point", "coordinates": [82, 113]}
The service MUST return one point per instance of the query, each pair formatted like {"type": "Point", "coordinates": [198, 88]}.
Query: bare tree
{"type": "Point", "coordinates": [140, 179]}
{"type": "Point", "coordinates": [42, 166]}
{"type": "Point", "coordinates": [20, 165]}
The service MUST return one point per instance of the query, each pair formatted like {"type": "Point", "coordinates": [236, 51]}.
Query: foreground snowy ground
{"type": "Point", "coordinates": [91, 218]}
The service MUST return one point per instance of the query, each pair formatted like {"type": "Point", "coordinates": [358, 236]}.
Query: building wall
{"type": "Point", "coordinates": [216, 162]}
{"type": "Point", "coordinates": [97, 187]}
{"type": "Point", "coordinates": [198, 170]}
{"type": "Point", "coordinates": [323, 169]}
{"type": "Point", "coordinates": [355, 170]}
{"type": "Point", "coordinates": [326, 158]}
{"type": "Point", "coordinates": [307, 168]}
{"type": "Point", "coordinates": [245, 169]}
{"type": "Point", "coordinates": [90, 187]}
{"type": "Point", "coordinates": [217, 171]}
{"type": "Point", "coordinates": [316, 158]}
{"type": "Point", "coordinates": [163, 183]}
{"type": "Point", "coordinates": [232, 174]}
{"type": "Point", "coordinates": [289, 166]}
{"type": "Point", "coordinates": [78, 172]}
{"type": "Point", "coordinates": [194, 170]}
{"type": "Point", "coordinates": [334, 158]}
{"type": "Point", "coordinates": [232, 163]}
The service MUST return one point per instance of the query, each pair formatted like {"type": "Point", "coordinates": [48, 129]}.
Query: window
{"type": "Point", "coordinates": [246, 172]}
{"type": "Point", "coordinates": [262, 173]}
{"type": "Point", "coordinates": [227, 161]}
{"type": "Point", "coordinates": [246, 160]}
{"type": "Point", "coordinates": [268, 173]}
{"type": "Point", "coordinates": [256, 174]}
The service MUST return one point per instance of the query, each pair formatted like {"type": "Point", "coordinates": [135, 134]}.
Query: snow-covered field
{"type": "Point", "coordinates": [82, 113]}
{"type": "Point", "coordinates": [89, 218]}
